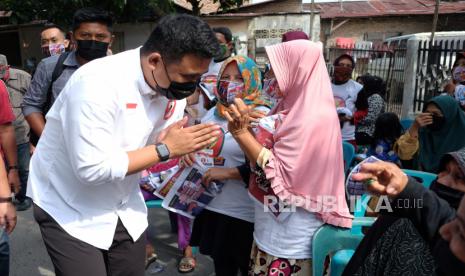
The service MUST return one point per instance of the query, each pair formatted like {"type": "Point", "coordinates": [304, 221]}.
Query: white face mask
{"type": "Point", "coordinates": [53, 49]}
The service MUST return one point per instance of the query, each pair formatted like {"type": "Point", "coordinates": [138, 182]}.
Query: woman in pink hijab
{"type": "Point", "coordinates": [296, 156]}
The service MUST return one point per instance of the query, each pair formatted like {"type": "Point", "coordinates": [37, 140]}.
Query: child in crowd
{"type": "Point", "coordinates": [459, 77]}
{"type": "Point", "coordinates": [387, 130]}
{"type": "Point", "coordinates": [187, 264]}
{"type": "Point", "coordinates": [154, 174]}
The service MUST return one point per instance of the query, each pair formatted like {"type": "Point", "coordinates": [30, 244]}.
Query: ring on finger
{"type": "Point", "coordinates": [369, 181]}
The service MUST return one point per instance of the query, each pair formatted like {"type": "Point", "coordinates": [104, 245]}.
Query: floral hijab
{"type": "Point", "coordinates": [252, 82]}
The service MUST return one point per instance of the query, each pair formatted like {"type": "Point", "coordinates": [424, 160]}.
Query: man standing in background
{"type": "Point", "coordinates": [17, 82]}
{"type": "Point", "coordinates": [92, 35]}
{"type": "Point", "coordinates": [7, 180]}
{"type": "Point", "coordinates": [7, 133]}
{"type": "Point", "coordinates": [53, 40]}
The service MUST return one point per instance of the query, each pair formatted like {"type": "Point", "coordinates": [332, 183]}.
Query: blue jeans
{"type": "Point", "coordinates": [4, 253]}
{"type": "Point", "coordinates": [23, 163]}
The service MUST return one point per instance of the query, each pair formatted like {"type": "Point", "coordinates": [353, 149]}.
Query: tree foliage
{"type": "Point", "coordinates": [61, 11]}
{"type": "Point", "coordinates": [225, 5]}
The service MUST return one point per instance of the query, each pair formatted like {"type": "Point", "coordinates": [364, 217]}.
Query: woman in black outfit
{"type": "Point", "coordinates": [406, 241]}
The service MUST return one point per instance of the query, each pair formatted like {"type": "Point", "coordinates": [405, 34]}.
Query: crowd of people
{"type": "Point", "coordinates": [77, 135]}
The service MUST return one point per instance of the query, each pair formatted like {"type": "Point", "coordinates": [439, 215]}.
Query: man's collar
{"type": "Point", "coordinates": [144, 88]}
{"type": "Point", "coordinates": [71, 60]}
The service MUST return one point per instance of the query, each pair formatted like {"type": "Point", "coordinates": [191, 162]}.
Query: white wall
{"type": "Point", "coordinates": [135, 34]}
{"type": "Point", "coordinates": [238, 28]}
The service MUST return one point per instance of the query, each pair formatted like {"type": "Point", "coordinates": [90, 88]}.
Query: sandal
{"type": "Point", "coordinates": [150, 259]}
{"type": "Point", "coordinates": [186, 265]}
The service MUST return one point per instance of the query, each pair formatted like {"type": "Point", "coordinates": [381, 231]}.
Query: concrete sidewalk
{"type": "Point", "coordinates": [29, 256]}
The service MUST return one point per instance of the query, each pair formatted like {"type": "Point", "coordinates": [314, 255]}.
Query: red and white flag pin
{"type": "Point", "coordinates": [169, 111]}
{"type": "Point", "coordinates": [131, 106]}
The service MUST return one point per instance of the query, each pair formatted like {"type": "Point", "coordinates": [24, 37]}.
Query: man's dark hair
{"type": "Point", "coordinates": [344, 56]}
{"type": "Point", "coordinates": [180, 34]}
{"type": "Point", "coordinates": [92, 15]}
{"type": "Point", "coordinates": [49, 26]}
{"type": "Point", "coordinates": [225, 31]}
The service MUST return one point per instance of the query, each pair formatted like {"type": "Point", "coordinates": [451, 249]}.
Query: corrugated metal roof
{"type": "Point", "coordinates": [250, 14]}
{"type": "Point", "coordinates": [376, 8]}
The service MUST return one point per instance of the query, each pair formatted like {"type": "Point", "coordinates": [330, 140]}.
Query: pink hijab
{"type": "Point", "coordinates": [307, 160]}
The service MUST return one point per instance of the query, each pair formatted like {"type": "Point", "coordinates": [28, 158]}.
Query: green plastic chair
{"type": "Point", "coordinates": [156, 203]}
{"type": "Point", "coordinates": [340, 243]}
{"type": "Point", "coordinates": [348, 151]}
{"type": "Point", "coordinates": [406, 123]}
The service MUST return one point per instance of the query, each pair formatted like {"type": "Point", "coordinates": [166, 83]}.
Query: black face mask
{"type": "Point", "coordinates": [91, 49]}
{"type": "Point", "coordinates": [452, 196]}
{"type": "Point", "coordinates": [176, 90]}
{"type": "Point", "coordinates": [438, 122]}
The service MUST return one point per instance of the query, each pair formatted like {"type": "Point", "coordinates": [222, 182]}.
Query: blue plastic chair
{"type": "Point", "coordinates": [348, 151]}
{"type": "Point", "coordinates": [338, 242]}
{"type": "Point", "coordinates": [156, 203]}
{"type": "Point", "coordinates": [406, 123]}
{"type": "Point", "coordinates": [426, 178]}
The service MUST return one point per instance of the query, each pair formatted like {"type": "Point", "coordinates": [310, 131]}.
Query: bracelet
{"type": "Point", "coordinates": [6, 199]}
{"type": "Point", "coordinates": [15, 167]}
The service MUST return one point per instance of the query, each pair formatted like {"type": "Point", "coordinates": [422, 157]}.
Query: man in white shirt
{"type": "Point", "coordinates": [104, 128]}
{"type": "Point", "coordinates": [345, 91]}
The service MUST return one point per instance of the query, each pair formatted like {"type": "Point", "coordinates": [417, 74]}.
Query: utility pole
{"type": "Point", "coordinates": [312, 19]}
{"type": "Point", "coordinates": [435, 20]}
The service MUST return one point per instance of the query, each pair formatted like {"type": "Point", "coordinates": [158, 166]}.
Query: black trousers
{"type": "Point", "coordinates": [73, 257]}
{"type": "Point", "coordinates": [226, 239]}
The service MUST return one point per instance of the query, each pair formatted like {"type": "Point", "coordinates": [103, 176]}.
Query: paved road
{"type": "Point", "coordinates": [29, 257]}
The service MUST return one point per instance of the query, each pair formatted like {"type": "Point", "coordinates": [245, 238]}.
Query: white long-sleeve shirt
{"type": "Point", "coordinates": [345, 95]}
{"type": "Point", "coordinates": [78, 171]}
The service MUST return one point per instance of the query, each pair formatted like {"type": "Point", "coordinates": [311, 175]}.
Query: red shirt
{"type": "Point", "coordinates": [6, 112]}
